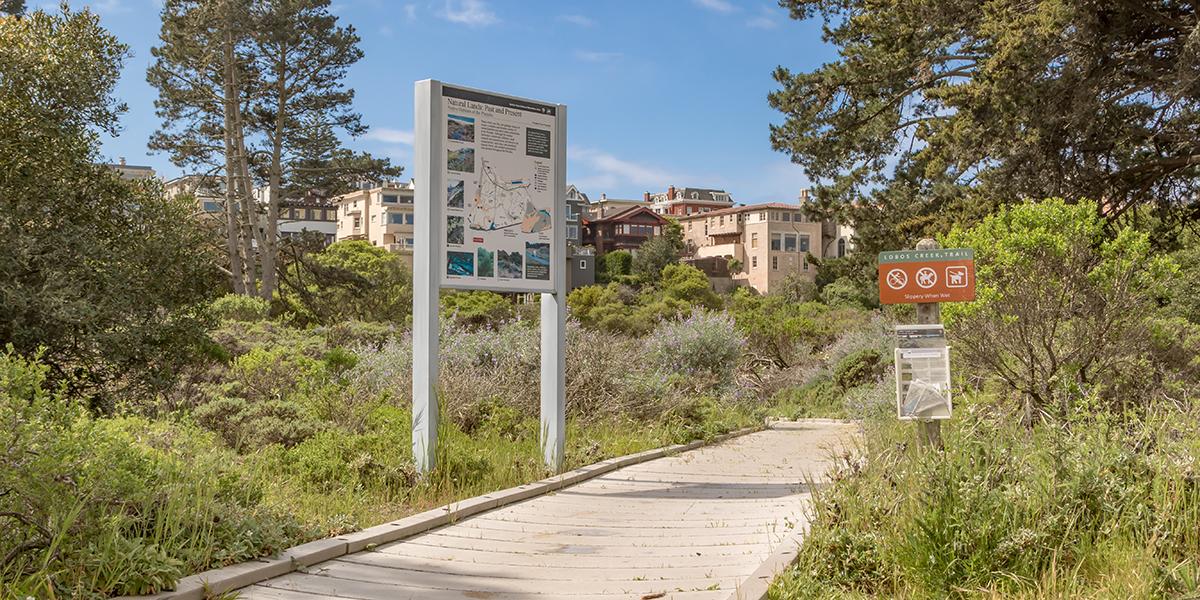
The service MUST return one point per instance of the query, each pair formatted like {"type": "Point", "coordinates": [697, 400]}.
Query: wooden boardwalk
{"type": "Point", "coordinates": [691, 526]}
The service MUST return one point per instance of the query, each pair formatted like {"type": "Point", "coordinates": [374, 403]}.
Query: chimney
{"type": "Point", "coordinates": [122, 161]}
{"type": "Point", "coordinates": [603, 196]}
{"type": "Point", "coordinates": [646, 197]}
{"type": "Point", "coordinates": [671, 193]}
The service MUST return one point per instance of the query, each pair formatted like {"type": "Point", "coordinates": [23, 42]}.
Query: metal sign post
{"type": "Point", "coordinates": [928, 313]}
{"type": "Point", "coordinates": [490, 198]}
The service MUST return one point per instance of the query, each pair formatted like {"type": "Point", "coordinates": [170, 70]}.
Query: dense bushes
{"type": "Point", "coordinates": [348, 281]}
{"type": "Point", "coordinates": [92, 508]}
{"type": "Point", "coordinates": [1062, 307]}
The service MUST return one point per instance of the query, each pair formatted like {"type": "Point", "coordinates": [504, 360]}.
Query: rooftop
{"type": "Point", "coordinates": [741, 209]}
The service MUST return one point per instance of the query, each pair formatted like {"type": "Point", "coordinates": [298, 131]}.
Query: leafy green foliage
{"type": "Point", "coordinates": [111, 282]}
{"type": "Point", "coordinates": [477, 308]}
{"type": "Point", "coordinates": [863, 366]}
{"type": "Point", "coordinates": [1061, 308]}
{"type": "Point", "coordinates": [240, 307]}
{"type": "Point", "coordinates": [777, 329]}
{"type": "Point", "coordinates": [349, 280]}
{"type": "Point", "coordinates": [986, 103]}
{"type": "Point", "coordinates": [615, 266]}
{"type": "Point", "coordinates": [93, 508]}
{"type": "Point", "coordinates": [656, 253]}
{"type": "Point", "coordinates": [702, 345]}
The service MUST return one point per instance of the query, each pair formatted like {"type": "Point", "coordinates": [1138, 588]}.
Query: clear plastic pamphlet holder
{"type": "Point", "coordinates": [922, 373]}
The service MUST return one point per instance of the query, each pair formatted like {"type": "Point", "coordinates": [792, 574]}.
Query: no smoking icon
{"type": "Point", "coordinates": [897, 279]}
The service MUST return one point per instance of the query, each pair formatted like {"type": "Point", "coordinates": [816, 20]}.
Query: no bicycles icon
{"type": "Point", "coordinates": [915, 276]}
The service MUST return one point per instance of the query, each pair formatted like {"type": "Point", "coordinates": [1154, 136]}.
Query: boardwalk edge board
{"type": "Point", "coordinates": [225, 579]}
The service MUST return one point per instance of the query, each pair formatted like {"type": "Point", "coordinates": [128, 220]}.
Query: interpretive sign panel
{"type": "Point", "coordinates": [922, 276]}
{"type": "Point", "coordinates": [490, 195]}
{"type": "Point", "coordinates": [500, 191]}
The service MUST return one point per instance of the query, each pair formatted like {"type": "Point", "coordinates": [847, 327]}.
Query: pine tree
{"type": "Point", "coordinates": [200, 71]}
{"type": "Point", "coordinates": [304, 56]}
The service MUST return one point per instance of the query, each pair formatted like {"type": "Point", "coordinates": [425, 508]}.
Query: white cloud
{"type": "Point", "coordinates": [410, 12]}
{"type": "Point", "coordinates": [604, 171]}
{"type": "Point", "coordinates": [721, 6]}
{"type": "Point", "coordinates": [472, 13]}
{"type": "Point", "coordinates": [765, 19]}
{"type": "Point", "coordinates": [579, 20]}
{"type": "Point", "coordinates": [105, 7]}
{"type": "Point", "coordinates": [390, 136]}
{"type": "Point", "coordinates": [593, 56]}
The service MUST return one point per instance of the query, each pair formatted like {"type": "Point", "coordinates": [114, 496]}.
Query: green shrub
{"type": "Point", "coordinates": [864, 366]}
{"type": "Point", "coordinates": [240, 307]}
{"type": "Point", "coordinates": [1061, 304]}
{"type": "Point", "coordinates": [702, 345]}
{"type": "Point", "coordinates": [101, 507]}
{"type": "Point", "coordinates": [348, 281]}
{"type": "Point", "coordinates": [360, 333]}
{"type": "Point", "coordinates": [613, 266]}
{"type": "Point", "coordinates": [477, 308]}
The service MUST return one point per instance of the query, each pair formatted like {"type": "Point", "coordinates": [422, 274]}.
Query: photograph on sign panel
{"type": "Point", "coordinates": [460, 263]}
{"type": "Point", "coordinates": [486, 261]}
{"type": "Point", "coordinates": [461, 160]}
{"type": "Point", "coordinates": [454, 230]}
{"type": "Point", "coordinates": [460, 129]}
{"type": "Point", "coordinates": [537, 261]}
{"type": "Point", "coordinates": [511, 264]}
{"type": "Point", "coordinates": [454, 193]}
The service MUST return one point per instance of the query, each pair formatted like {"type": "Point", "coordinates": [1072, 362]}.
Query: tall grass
{"type": "Point", "coordinates": [1097, 505]}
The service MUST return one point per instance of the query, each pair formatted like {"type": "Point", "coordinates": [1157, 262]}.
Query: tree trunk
{"type": "Point", "coordinates": [276, 179]}
{"type": "Point", "coordinates": [241, 176]}
{"type": "Point", "coordinates": [232, 237]}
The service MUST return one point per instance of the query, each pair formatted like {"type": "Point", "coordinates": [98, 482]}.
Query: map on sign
{"type": "Point", "coordinates": [502, 203]}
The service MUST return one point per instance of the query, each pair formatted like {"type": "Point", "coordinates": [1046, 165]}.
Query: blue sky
{"type": "Point", "coordinates": [660, 92]}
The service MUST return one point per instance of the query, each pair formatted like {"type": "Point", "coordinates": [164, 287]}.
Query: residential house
{"type": "Point", "coordinates": [623, 230]}
{"type": "Point", "coordinates": [581, 260]}
{"type": "Point", "coordinates": [303, 217]}
{"type": "Point", "coordinates": [688, 201]}
{"type": "Point", "coordinates": [382, 215]}
{"type": "Point", "coordinates": [130, 172]}
{"type": "Point", "coordinates": [770, 241]}
{"type": "Point", "coordinates": [605, 206]}
{"type": "Point", "coordinates": [207, 193]}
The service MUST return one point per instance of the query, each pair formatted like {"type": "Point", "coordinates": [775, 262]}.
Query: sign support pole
{"type": "Point", "coordinates": [929, 431]}
{"type": "Point", "coordinates": [426, 280]}
{"type": "Point", "coordinates": [554, 323]}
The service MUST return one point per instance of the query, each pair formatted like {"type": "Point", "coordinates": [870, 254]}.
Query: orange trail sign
{"type": "Point", "coordinates": [920, 276]}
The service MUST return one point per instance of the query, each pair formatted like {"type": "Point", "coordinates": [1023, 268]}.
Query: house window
{"type": "Point", "coordinates": [789, 242]}
{"type": "Point", "coordinates": [787, 217]}
{"type": "Point", "coordinates": [804, 243]}
{"type": "Point", "coordinates": [395, 218]}
{"type": "Point", "coordinates": [408, 218]}
{"type": "Point", "coordinates": [775, 242]}
{"type": "Point", "coordinates": [774, 263]}
{"type": "Point", "coordinates": [391, 199]}
{"type": "Point", "coordinates": [721, 220]}
{"type": "Point", "coordinates": [841, 247]}
{"type": "Point", "coordinates": [210, 206]}
{"type": "Point", "coordinates": [754, 240]}
{"type": "Point", "coordinates": [583, 265]}
{"type": "Point", "coordinates": [805, 259]}
{"type": "Point", "coordinates": [572, 231]}
{"type": "Point", "coordinates": [308, 214]}
{"type": "Point", "coordinates": [753, 262]}
{"type": "Point", "coordinates": [357, 222]}
{"type": "Point", "coordinates": [409, 242]}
